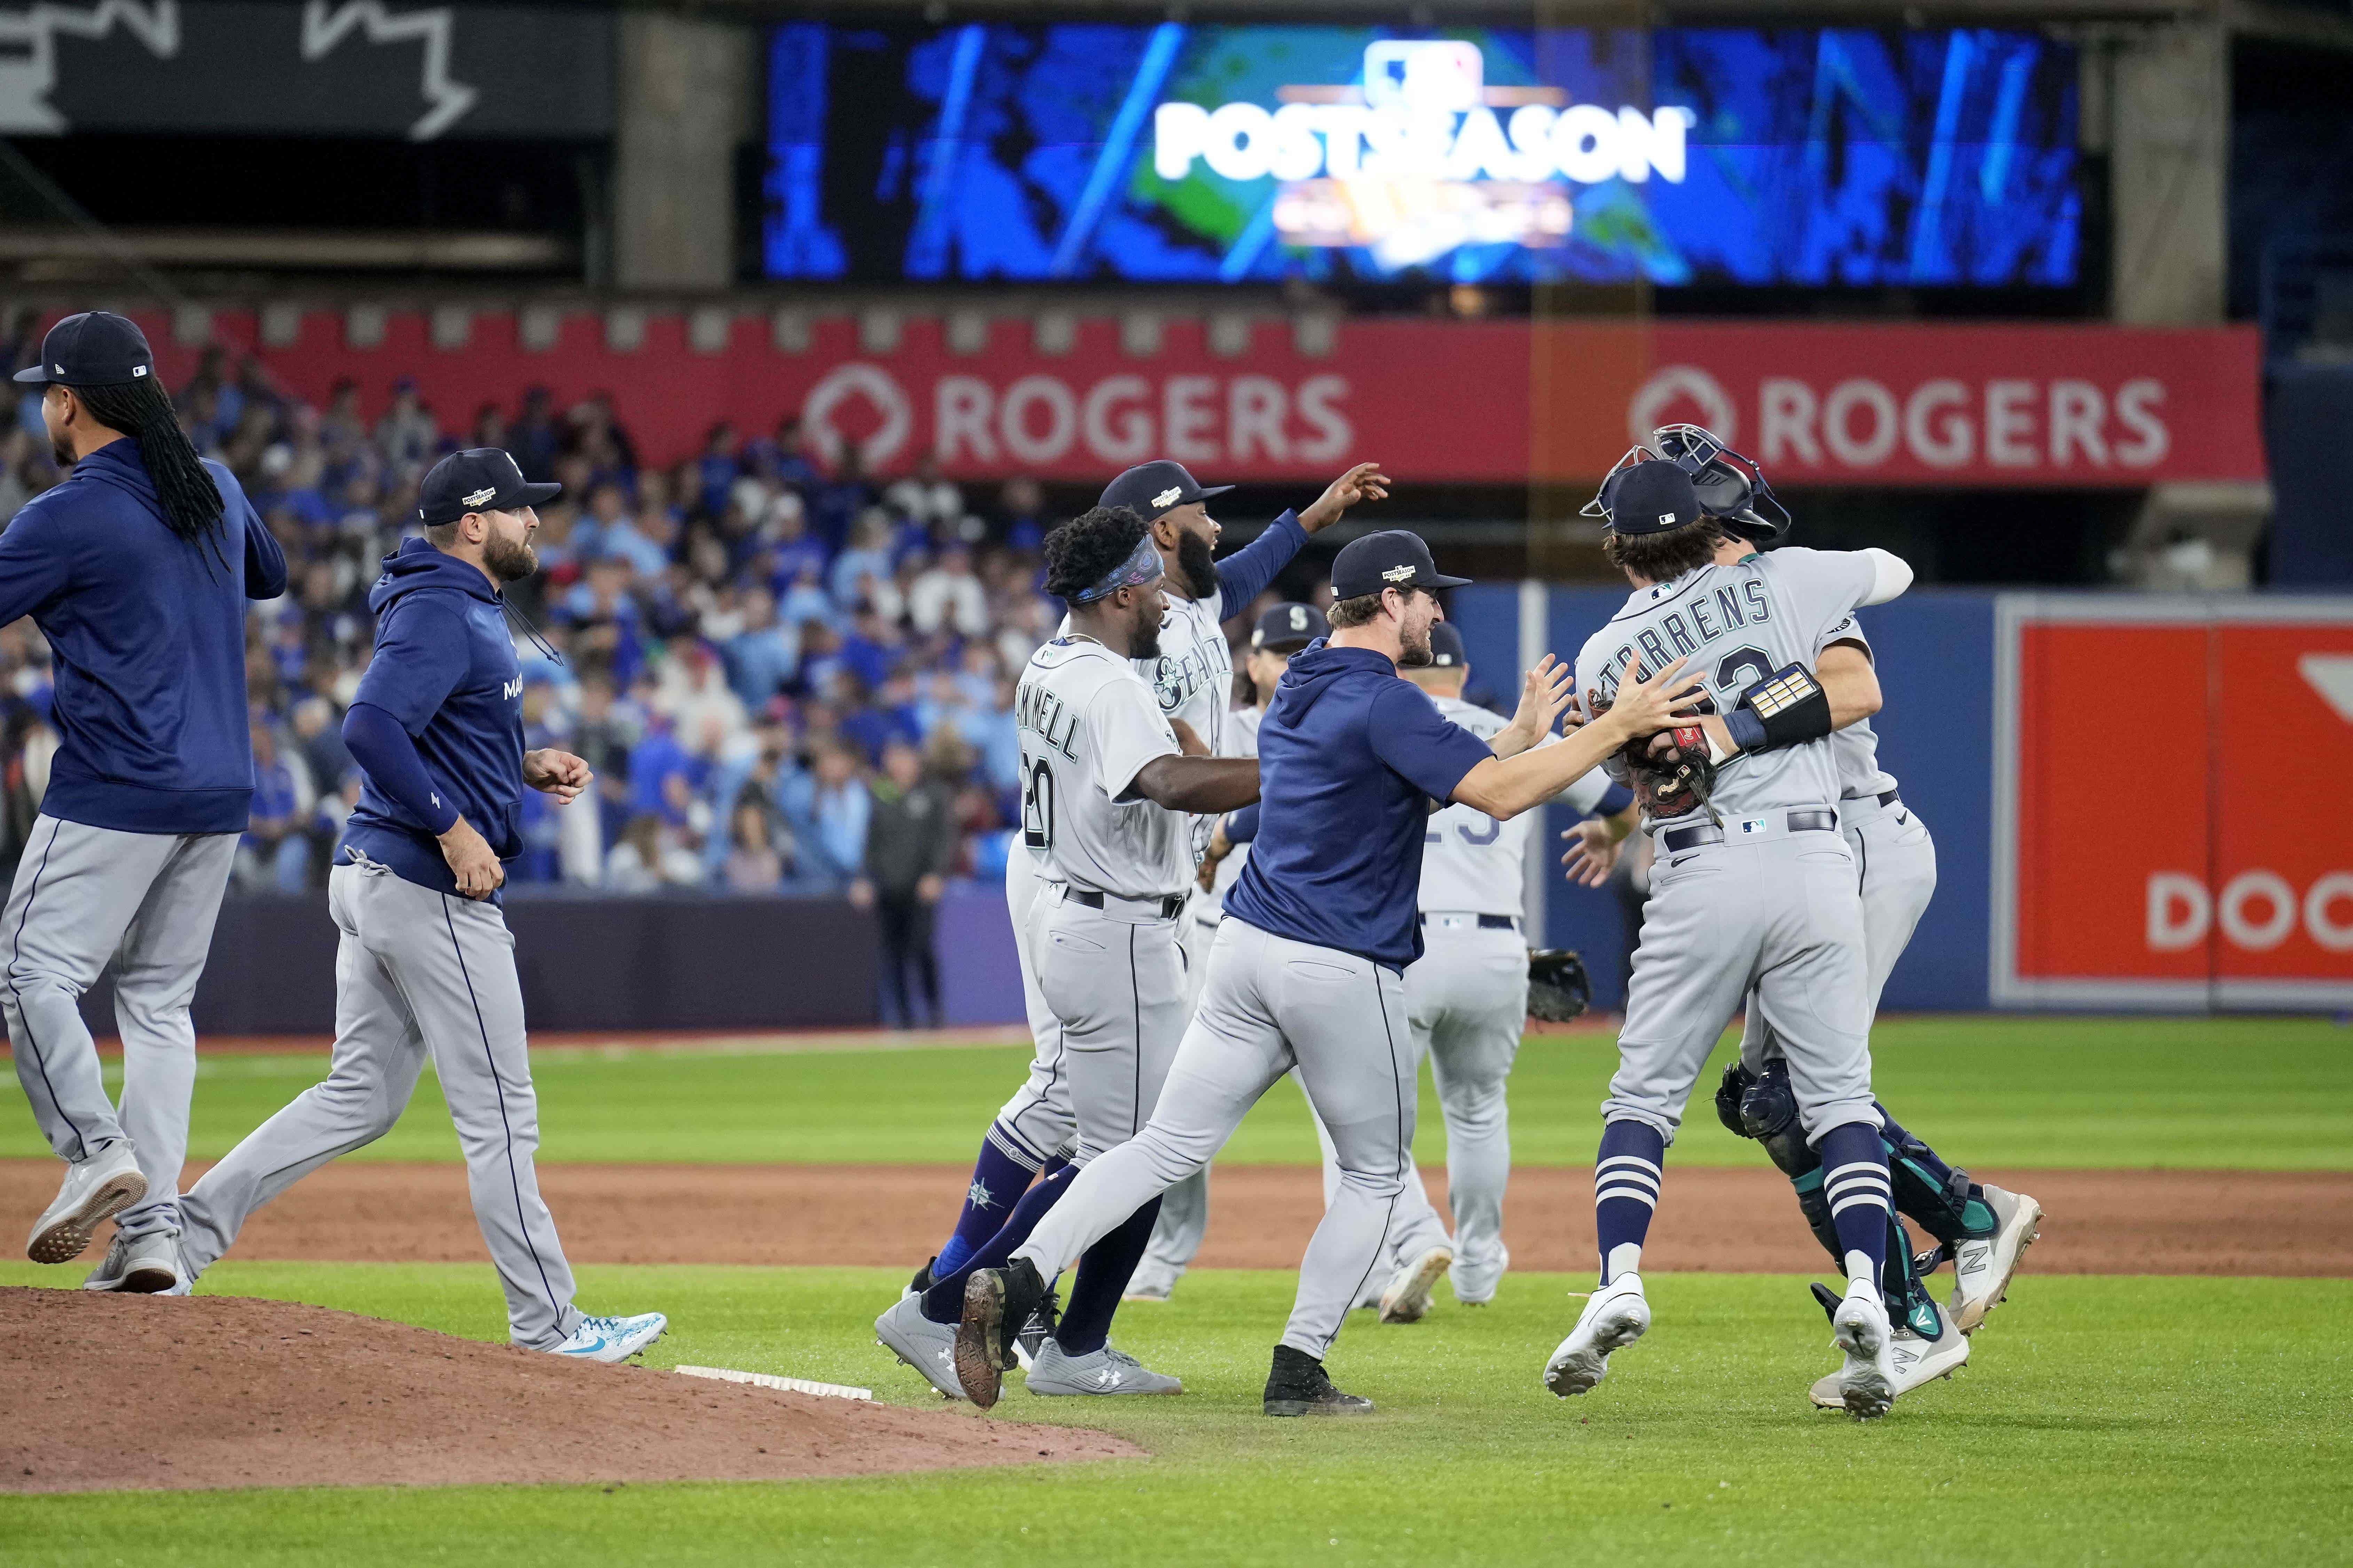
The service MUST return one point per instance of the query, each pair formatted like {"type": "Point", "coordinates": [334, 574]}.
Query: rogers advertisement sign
{"type": "Point", "coordinates": [2223, 874]}
{"type": "Point", "coordinates": [2017, 405]}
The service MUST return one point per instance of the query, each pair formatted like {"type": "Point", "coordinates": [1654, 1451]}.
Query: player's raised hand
{"type": "Point", "coordinates": [559, 774]}
{"type": "Point", "coordinates": [1545, 695]}
{"type": "Point", "coordinates": [1364, 482]}
{"type": "Point", "coordinates": [1592, 853]}
{"type": "Point", "coordinates": [1644, 707]}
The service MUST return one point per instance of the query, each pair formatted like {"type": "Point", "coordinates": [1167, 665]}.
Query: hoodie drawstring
{"type": "Point", "coordinates": [530, 628]}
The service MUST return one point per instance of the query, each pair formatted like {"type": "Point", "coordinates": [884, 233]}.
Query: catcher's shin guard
{"type": "Point", "coordinates": [1939, 1197]}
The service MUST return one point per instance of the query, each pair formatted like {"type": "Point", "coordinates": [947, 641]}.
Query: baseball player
{"type": "Point", "coordinates": [137, 569]}
{"type": "Point", "coordinates": [1185, 1208]}
{"type": "Point", "coordinates": [427, 963]}
{"type": "Point", "coordinates": [1308, 965]}
{"type": "Point", "coordinates": [1466, 1003]}
{"type": "Point", "coordinates": [1191, 676]}
{"type": "Point", "coordinates": [1753, 890]}
{"type": "Point", "coordinates": [1105, 788]}
{"type": "Point", "coordinates": [1985, 1229]}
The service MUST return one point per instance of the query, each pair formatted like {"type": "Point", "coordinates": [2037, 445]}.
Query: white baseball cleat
{"type": "Point", "coordinates": [1867, 1384]}
{"type": "Point", "coordinates": [1474, 1285]}
{"type": "Point", "coordinates": [95, 1190]}
{"type": "Point", "coordinates": [147, 1266]}
{"type": "Point", "coordinates": [1982, 1269]}
{"type": "Point", "coordinates": [927, 1346]}
{"type": "Point", "coordinates": [1918, 1362]}
{"type": "Point", "coordinates": [1406, 1298]}
{"type": "Point", "coordinates": [1106, 1370]}
{"type": "Point", "coordinates": [1615, 1316]}
{"type": "Point", "coordinates": [613, 1339]}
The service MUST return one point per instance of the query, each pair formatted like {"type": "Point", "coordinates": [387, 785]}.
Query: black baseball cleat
{"type": "Point", "coordinates": [1297, 1387]}
{"type": "Point", "coordinates": [993, 1298]}
{"type": "Point", "coordinates": [1036, 1330]}
{"type": "Point", "coordinates": [921, 1281]}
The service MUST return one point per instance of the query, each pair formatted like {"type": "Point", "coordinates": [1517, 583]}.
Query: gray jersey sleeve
{"type": "Point", "coordinates": [1128, 731]}
{"type": "Point", "coordinates": [1820, 587]}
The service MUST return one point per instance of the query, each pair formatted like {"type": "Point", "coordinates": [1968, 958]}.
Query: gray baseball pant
{"type": "Point", "coordinates": [1271, 1003]}
{"type": "Point", "coordinates": [1771, 915]}
{"type": "Point", "coordinates": [148, 900]}
{"type": "Point", "coordinates": [1896, 865]}
{"type": "Point", "coordinates": [1116, 985]}
{"type": "Point", "coordinates": [1467, 1004]}
{"type": "Point", "coordinates": [1185, 1208]}
{"type": "Point", "coordinates": [418, 972]}
{"type": "Point", "coordinates": [1036, 1124]}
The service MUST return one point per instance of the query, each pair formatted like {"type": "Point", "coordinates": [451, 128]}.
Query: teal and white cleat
{"type": "Point", "coordinates": [614, 1339]}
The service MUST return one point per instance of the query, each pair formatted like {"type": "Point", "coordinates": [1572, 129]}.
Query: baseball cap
{"type": "Point", "coordinates": [1446, 649]}
{"type": "Point", "coordinates": [1151, 489]}
{"type": "Point", "coordinates": [1649, 497]}
{"type": "Point", "coordinates": [1287, 627]}
{"type": "Point", "coordinates": [1390, 559]}
{"type": "Point", "coordinates": [97, 347]}
{"type": "Point", "coordinates": [481, 478]}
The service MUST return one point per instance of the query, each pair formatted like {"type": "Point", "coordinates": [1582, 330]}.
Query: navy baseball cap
{"type": "Point", "coordinates": [1289, 628]}
{"type": "Point", "coordinates": [97, 347]}
{"type": "Point", "coordinates": [481, 478]}
{"type": "Point", "coordinates": [1446, 649]}
{"type": "Point", "coordinates": [1148, 489]}
{"type": "Point", "coordinates": [1391, 559]}
{"type": "Point", "coordinates": [1650, 497]}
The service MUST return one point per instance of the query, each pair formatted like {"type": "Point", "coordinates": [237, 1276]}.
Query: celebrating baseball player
{"type": "Point", "coordinates": [427, 963]}
{"type": "Point", "coordinates": [1105, 792]}
{"type": "Point", "coordinates": [1307, 968]}
{"type": "Point", "coordinates": [137, 569]}
{"type": "Point", "coordinates": [1467, 1006]}
{"type": "Point", "coordinates": [1190, 676]}
{"type": "Point", "coordinates": [1983, 1228]}
{"type": "Point", "coordinates": [1185, 1208]}
{"type": "Point", "coordinates": [1753, 895]}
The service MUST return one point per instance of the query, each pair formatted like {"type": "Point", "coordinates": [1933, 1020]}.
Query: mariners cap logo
{"type": "Point", "coordinates": [1167, 497]}
{"type": "Point", "coordinates": [1397, 575]}
{"type": "Point", "coordinates": [476, 497]}
{"type": "Point", "coordinates": [1298, 618]}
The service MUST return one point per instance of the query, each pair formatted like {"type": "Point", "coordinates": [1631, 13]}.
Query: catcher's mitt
{"type": "Point", "coordinates": [1559, 990]}
{"type": "Point", "coordinates": [1670, 771]}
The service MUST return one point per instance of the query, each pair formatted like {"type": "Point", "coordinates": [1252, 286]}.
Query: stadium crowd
{"type": "Point", "coordinates": [786, 673]}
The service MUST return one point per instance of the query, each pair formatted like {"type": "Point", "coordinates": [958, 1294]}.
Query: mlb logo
{"type": "Point", "coordinates": [1753, 825]}
{"type": "Point", "coordinates": [1435, 74]}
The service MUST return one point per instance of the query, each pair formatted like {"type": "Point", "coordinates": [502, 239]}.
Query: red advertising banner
{"type": "Point", "coordinates": [2211, 863]}
{"type": "Point", "coordinates": [2010, 405]}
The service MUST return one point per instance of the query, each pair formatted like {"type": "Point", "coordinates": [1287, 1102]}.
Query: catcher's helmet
{"type": "Point", "coordinates": [1731, 487]}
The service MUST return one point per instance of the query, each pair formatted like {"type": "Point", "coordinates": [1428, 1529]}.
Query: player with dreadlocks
{"type": "Point", "coordinates": [137, 569]}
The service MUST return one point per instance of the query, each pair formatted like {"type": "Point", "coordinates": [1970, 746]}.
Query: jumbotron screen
{"type": "Point", "coordinates": [1229, 153]}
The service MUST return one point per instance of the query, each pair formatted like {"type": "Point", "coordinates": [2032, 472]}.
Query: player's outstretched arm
{"type": "Point", "coordinates": [1504, 787]}
{"type": "Point", "coordinates": [1197, 784]}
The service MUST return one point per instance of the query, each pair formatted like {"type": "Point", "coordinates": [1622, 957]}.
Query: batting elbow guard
{"type": "Point", "coordinates": [1787, 707]}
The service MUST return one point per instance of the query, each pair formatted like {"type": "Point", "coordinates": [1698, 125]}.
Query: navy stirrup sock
{"type": "Point", "coordinates": [999, 1180]}
{"type": "Point", "coordinates": [1627, 1171]}
{"type": "Point", "coordinates": [1855, 1185]}
{"type": "Point", "coordinates": [1105, 1270]}
{"type": "Point", "coordinates": [943, 1303]}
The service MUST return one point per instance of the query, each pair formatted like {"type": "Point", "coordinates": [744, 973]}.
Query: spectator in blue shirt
{"type": "Point", "coordinates": [841, 807]}
{"type": "Point", "coordinates": [275, 852]}
{"type": "Point", "coordinates": [762, 658]}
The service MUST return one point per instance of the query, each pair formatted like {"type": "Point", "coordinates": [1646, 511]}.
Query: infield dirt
{"type": "Point", "coordinates": [115, 1391]}
{"type": "Point", "coordinates": [1711, 1219]}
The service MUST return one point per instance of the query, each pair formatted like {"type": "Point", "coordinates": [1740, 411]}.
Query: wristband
{"type": "Point", "coordinates": [1747, 729]}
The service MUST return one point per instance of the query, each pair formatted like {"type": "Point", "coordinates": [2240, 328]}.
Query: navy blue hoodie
{"type": "Point", "coordinates": [445, 667]}
{"type": "Point", "coordinates": [1349, 755]}
{"type": "Point", "coordinates": [148, 632]}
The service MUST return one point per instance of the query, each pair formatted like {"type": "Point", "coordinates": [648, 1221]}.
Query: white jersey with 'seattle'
{"type": "Point", "coordinates": [1737, 625]}
{"type": "Point", "coordinates": [1194, 676]}
{"type": "Point", "coordinates": [1473, 864]}
{"type": "Point", "coordinates": [1856, 747]}
{"type": "Point", "coordinates": [1088, 725]}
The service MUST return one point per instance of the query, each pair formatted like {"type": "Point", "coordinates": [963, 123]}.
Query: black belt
{"type": "Point", "coordinates": [1890, 798]}
{"type": "Point", "coordinates": [1170, 907]}
{"type": "Point", "coordinates": [1678, 839]}
{"type": "Point", "coordinates": [1487, 922]}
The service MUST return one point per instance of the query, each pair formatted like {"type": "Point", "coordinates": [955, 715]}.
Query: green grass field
{"type": "Point", "coordinates": [2126, 1420]}
{"type": "Point", "coordinates": [2104, 1419]}
{"type": "Point", "coordinates": [2272, 1094]}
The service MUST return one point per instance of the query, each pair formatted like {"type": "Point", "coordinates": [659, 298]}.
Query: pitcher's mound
{"type": "Point", "coordinates": [108, 1392]}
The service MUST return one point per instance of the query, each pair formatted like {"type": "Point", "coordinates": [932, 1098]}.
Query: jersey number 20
{"type": "Point", "coordinates": [1038, 807]}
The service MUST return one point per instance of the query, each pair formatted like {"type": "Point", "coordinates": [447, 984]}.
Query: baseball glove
{"type": "Point", "coordinates": [1670, 771]}
{"type": "Point", "coordinates": [1559, 990]}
